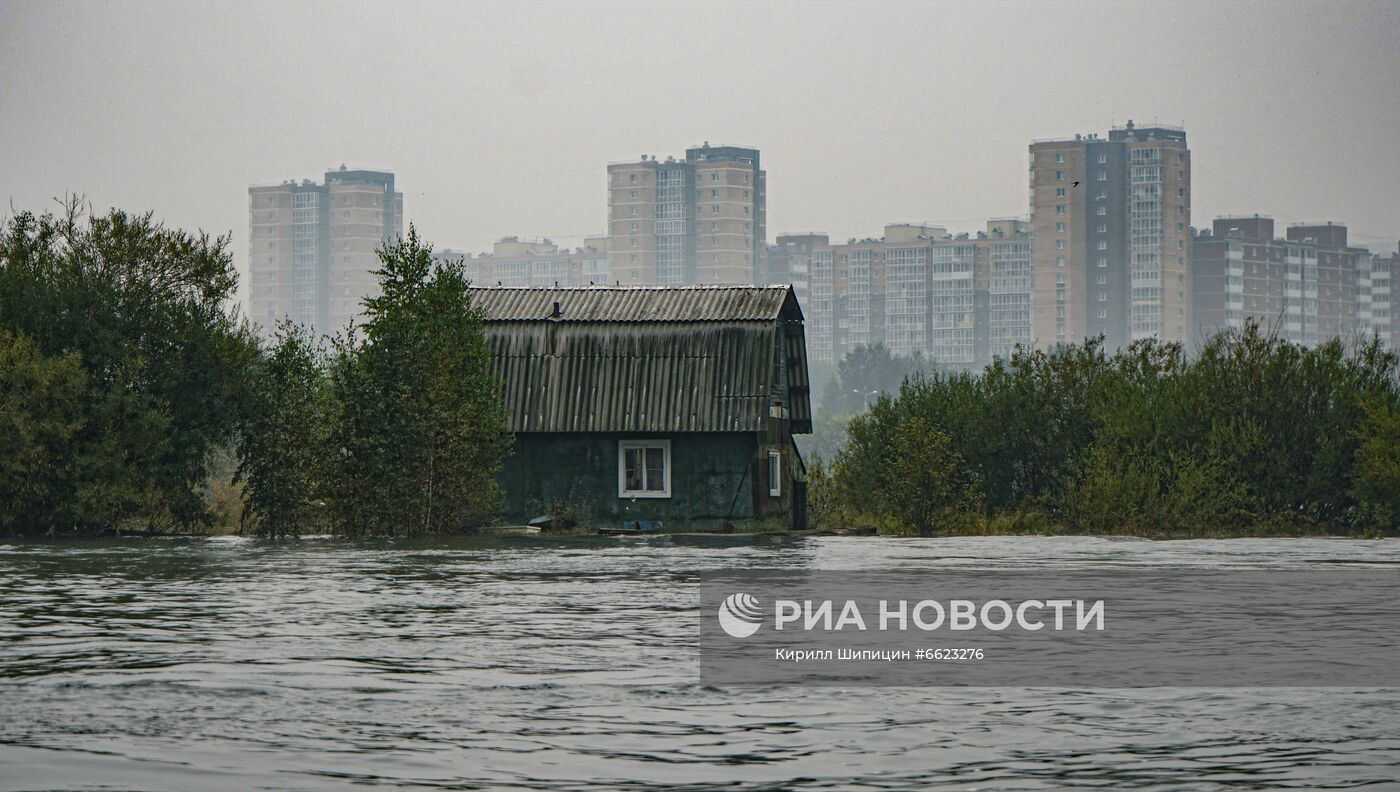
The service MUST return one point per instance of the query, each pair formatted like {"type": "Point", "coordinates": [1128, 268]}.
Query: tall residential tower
{"type": "Point", "coordinates": [1112, 222]}
{"type": "Point", "coordinates": [311, 247]}
{"type": "Point", "coordinates": [698, 220]}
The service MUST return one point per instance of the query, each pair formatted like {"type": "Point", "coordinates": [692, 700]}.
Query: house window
{"type": "Point", "coordinates": [644, 468]}
{"type": "Point", "coordinates": [775, 474]}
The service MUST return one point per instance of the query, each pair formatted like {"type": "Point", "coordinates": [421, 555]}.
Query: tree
{"type": "Point", "coordinates": [283, 448]}
{"type": "Point", "coordinates": [1377, 476]}
{"type": "Point", "coordinates": [421, 433]}
{"type": "Point", "coordinates": [141, 308]}
{"type": "Point", "coordinates": [41, 412]}
{"type": "Point", "coordinates": [866, 372]}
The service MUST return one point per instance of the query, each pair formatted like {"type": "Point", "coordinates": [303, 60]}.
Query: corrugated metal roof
{"type": "Point", "coordinates": [653, 377]}
{"type": "Point", "coordinates": [682, 359]}
{"type": "Point", "coordinates": [637, 303]}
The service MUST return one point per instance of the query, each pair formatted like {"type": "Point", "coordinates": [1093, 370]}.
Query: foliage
{"type": "Point", "coordinates": [41, 414]}
{"type": "Point", "coordinates": [1253, 434]}
{"type": "Point", "coordinates": [284, 445]}
{"type": "Point", "coordinates": [1377, 473]}
{"type": "Point", "coordinates": [866, 372]}
{"type": "Point", "coordinates": [420, 433]}
{"type": "Point", "coordinates": [850, 387]}
{"type": "Point", "coordinates": [132, 367]}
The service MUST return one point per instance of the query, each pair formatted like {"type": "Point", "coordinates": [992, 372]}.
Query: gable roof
{"type": "Point", "coordinates": [646, 359]}
{"type": "Point", "coordinates": [638, 303]}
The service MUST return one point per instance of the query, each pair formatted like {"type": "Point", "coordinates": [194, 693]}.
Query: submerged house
{"type": "Point", "coordinates": [638, 406]}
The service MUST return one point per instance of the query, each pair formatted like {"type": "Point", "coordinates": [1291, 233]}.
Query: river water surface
{"type": "Point", "coordinates": [528, 663]}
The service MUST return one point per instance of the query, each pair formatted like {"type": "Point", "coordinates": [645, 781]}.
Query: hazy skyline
{"type": "Point", "coordinates": [500, 119]}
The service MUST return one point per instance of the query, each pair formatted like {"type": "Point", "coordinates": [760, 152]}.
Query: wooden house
{"type": "Point", "coordinates": [652, 407]}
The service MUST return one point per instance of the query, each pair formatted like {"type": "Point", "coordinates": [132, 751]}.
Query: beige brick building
{"type": "Point", "coordinates": [702, 219]}
{"type": "Point", "coordinates": [312, 246]}
{"type": "Point", "coordinates": [1112, 222]}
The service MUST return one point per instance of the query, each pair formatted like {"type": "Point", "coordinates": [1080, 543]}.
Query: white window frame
{"type": "Point", "coordinates": [622, 446]}
{"type": "Point", "coordinates": [775, 474]}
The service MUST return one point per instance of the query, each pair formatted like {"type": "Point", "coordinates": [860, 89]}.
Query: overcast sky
{"type": "Point", "coordinates": [500, 119]}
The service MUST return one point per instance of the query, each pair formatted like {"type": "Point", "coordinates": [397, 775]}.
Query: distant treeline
{"type": "Point", "coordinates": [1252, 435]}
{"type": "Point", "coordinates": [125, 382]}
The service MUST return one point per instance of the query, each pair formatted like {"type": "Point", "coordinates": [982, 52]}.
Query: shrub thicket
{"type": "Point", "coordinates": [1254, 434]}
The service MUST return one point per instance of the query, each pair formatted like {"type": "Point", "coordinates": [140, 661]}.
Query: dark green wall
{"type": "Point", "coordinates": [711, 478]}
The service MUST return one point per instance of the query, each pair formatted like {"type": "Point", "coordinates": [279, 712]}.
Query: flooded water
{"type": "Point", "coordinates": [529, 663]}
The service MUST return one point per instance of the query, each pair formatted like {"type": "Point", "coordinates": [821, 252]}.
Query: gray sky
{"type": "Point", "coordinates": [500, 119]}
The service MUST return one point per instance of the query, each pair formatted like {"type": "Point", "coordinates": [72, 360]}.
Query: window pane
{"type": "Point", "coordinates": [656, 469]}
{"type": "Point", "coordinates": [634, 469]}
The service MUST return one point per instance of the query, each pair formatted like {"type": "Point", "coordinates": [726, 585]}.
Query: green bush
{"type": "Point", "coordinates": [1252, 435]}
{"type": "Point", "coordinates": [126, 371]}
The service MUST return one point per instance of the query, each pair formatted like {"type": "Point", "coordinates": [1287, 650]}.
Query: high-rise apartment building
{"type": "Point", "coordinates": [542, 263]}
{"type": "Point", "coordinates": [1308, 287]}
{"type": "Point", "coordinates": [1010, 271]}
{"type": "Point", "coordinates": [311, 246]}
{"type": "Point", "coordinates": [789, 260]}
{"type": "Point", "coordinates": [698, 220]}
{"type": "Point", "coordinates": [959, 299]}
{"type": "Point", "coordinates": [1112, 226]}
{"type": "Point", "coordinates": [1377, 297]}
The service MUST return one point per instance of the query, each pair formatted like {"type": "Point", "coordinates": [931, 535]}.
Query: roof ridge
{"type": "Point", "coordinates": [643, 287]}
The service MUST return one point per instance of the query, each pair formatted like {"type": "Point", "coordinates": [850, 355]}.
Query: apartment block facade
{"type": "Point", "coordinates": [312, 246]}
{"type": "Point", "coordinates": [789, 260]}
{"type": "Point", "coordinates": [1376, 285]}
{"type": "Point", "coordinates": [1111, 224]}
{"type": "Point", "coordinates": [1307, 287]}
{"type": "Point", "coordinates": [701, 219]}
{"type": "Point", "coordinates": [538, 263]}
{"type": "Point", "coordinates": [958, 299]}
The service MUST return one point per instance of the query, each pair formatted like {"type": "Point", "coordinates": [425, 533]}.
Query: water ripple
{"type": "Point", "coordinates": [568, 664]}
